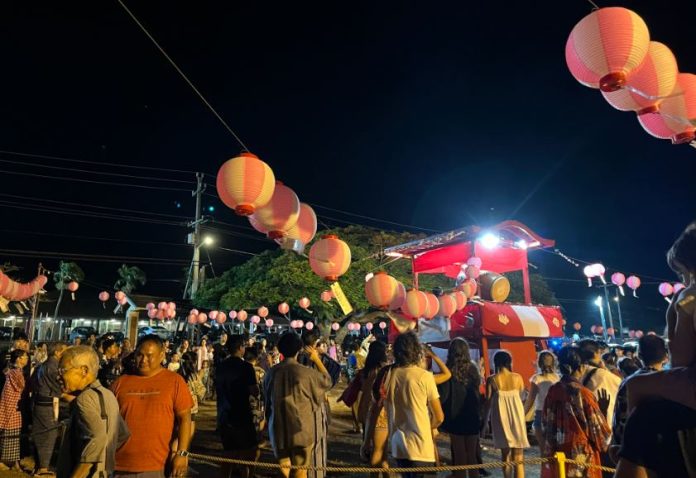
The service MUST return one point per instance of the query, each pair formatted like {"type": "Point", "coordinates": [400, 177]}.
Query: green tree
{"type": "Point", "coordinates": [67, 272]}
{"type": "Point", "coordinates": [129, 277]}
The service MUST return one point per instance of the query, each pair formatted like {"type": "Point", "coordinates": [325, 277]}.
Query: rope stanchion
{"type": "Point", "coordinates": [368, 469]}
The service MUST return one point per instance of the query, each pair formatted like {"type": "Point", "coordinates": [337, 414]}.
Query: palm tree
{"type": "Point", "coordinates": [67, 272]}
{"type": "Point", "coordinates": [129, 278]}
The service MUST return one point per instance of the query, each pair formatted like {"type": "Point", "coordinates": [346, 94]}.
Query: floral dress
{"type": "Point", "coordinates": [572, 423]}
{"type": "Point", "coordinates": [10, 416]}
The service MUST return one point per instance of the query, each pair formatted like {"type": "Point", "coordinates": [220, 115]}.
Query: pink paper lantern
{"type": "Point", "coordinates": [632, 334]}
{"type": "Point", "coordinates": [675, 111]}
{"type": "Point", "coordinates": [202, 317]}
{"type": "Point", "coordinates": [162, 305]}
{"type": "Point", "coordinates": [150, 306]}
{"type": "Point", "coordinates": [232, 315]}
{"type": "Point", "coordinates": [269, 322]}
{"type": "Point", "coordinates": [369, 325]}
{"type": "Point", "coordinates": [255, 319]}
{"type": "Point", "coordinates": [678, 287]}
{"type": "Point", "coordinates": [242, 315]}
{"type": "Point", "coordinates": [665, 289]}
{"type": "Point", "coordinates": [309, 325]}
{"type": "Point", "coordinates": [399, 297]}
{"type": "Point", "coordinates": [618, 279]}
{"type": "Point", "coordinates": [593, 329]}
{"type": "Point", "coordinates": [104, 296]}
{"type": "Point", "coordinates": [118, 295]}
{"type": "Point", "coordinates": [283, 308]}
{"type": "Point", "coordinates": [293, 324]}
{"type": "Point", "coordinates": [335, 326]}
{"type": "Point", "coordinates": [639, 334]}
{"type": "Point", "coordinates": [221, 318]}
{"type": "Point", "coordinates": [194, 312]}
{"type": "Point", "coordinates": [212, 315]}
{"type": "Point", "coordinates": [192, 319]}
{"type": "Point", "coordinates": [474, 261]}
{"type": "Point", "coordinates": [633, 282]}
{"type": "Point", "coordinates": [300, 324]}
{"type": "Point", "coordinates": [472, 272]}
{"type": "Point", "coordinates": [122, 301]}
{"type": "Point", "coordinates": [610, 331]}
{"type": "Point", "coordinates": [171, 305]}
{"type": "Point", "coordinates": [152, 313]}
{"type": "Point", "coordinates": [170, 313]}
{"type": "Point", "coordinates": [326, 296]}
{"type": "Point", "coordinates": [262, 312]}
{"type": "Point", "coordinates": [304, 303]}
{"type": "Point", "coordinates": [382, 325]}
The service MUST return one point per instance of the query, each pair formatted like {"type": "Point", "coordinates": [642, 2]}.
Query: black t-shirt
{"type": "Point", "coordinates": [233, 378]}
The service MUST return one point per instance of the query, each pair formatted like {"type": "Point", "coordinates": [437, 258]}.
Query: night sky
{"type": "Point", "coordinates": [435, 115]}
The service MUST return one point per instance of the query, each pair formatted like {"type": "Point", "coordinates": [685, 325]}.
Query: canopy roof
{"type": "Point", "coordinates": [445, 253]}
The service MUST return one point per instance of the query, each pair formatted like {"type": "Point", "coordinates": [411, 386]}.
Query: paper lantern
{"type": "Point", "coordinates": [618, 279]}
{"type": "Point", "coordinates": [302, 233]}
{"type": "Point", "coordinates": [171, 305]}
{"type": "Point", "coordinates": [242, 315]}
{"type": "Point", "coordinates": [369, 276]}
{"type": "Point", "coordinates": [335, 326]}
{"type": "Point", "coordinates": [103, 296]}
{"type": "Point", "coordinates": [232, 315]}
{"type": "Point", "coordinates": [610, 331]}
{"type": "Point", "coordinates": [606, 46]}
{"type": "Point", "coordinates": [293, 324]}
{"type": "Point", "coordinates": [150, 305]}
{"type": "Point", "coordinates": [648, 84]}
{"type": "Point", "coordinates": [433, 306]}
{"type": "Point", "coordinates": [309, 325]}
{"type": "Point", "coordinates": [283, 308]}
{"type": "Point", "coordinates": [460, 299]}
{"type": "Point", "coordinates": [639, 334]}
{"type": "Point", "coordinates": [593, 329]}
{"type": "Point", "coordinates": [202, 317]}
{"type": "Point", "coordinates": [304, 303]}
{"type": "Point", "coordinates": [447, 305]}
{"type": "Point", "coordinates": [399, 297]}
{"type": "Point", "coordinates": [577, 326]}
{"type": "Point", "coordinates": [269, 322]}
{"type": "Point", "coordinates": [262, 312]}
{"type": "Point", "coordinates": [281, 212]}
{"type": "Point", "coordinates": [675, 112]}
{"type": "Point", "coordinates": [162, 305]}
{"type": "Point", "coordinates": [381, 289]}
{"type": "Point", "coordinates": [369, 326]}
{"type": "Point", "coordinates": [257, 226]}
{"type": "Point", "coordinates": [245, 183]}
{"type": "Point", "coordinates": [329, 257]}
{"type": "Point", "coordinates": [665, 289]}
{"type": "Point", "coordinates": [300, 324]}
{"type": "Point", "coordinates": [678, 287]}
{"type": "Point", "coordinates": [255, 319]}
{"type": "Point", "coordinates": [415, 304]}
{"type": "Point", "coordinates": [221, 318]}
{"type": "Point", "coordinates": [326, 296]}
{"type": "Point", "coordinates": [469, 287]}
{"type": "Point", "coordinates": [192, 319]}
{"type": "Point", "coordinates": [472, 272]}
{"type": "Point", "coordinates": [633, 282]}
{"type": "Point", "coordinates": [170, 313]}
{"type": "Point", "coordinates": [73, 286]}
{"type": "Point", "coordinates": [152, 313]}
{"type": "Point", "coordinates": [632, 334]}
{"type": "Point", "coordinates": [382, 325]}
{"type": "Point", "coordinates": [474, 261]}
{"type": "Point", "coordinates": [118, 295]}
{"type": "Point", "coordinates": [212, 315]}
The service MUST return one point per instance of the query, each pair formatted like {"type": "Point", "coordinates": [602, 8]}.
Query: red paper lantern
{"type": "Point", "coordinates": [202, 318]}
{"type": "Point", "coordinates": [326, 296]}
{"type": "Point", "coordinates": [469, 287]}
{"type": "Point", "coordinates": [399, 297]}
{"type": "Point", "coordinates": [381, 289]}
{"type": "Point", "coordinates": [606, 46]}
{"type": "Point", "coordinates": [577, 326]}
{"type": "Point", "coordinates": [221, 318]}
{"type": "Point", "coordinates": [262, 312]}
{"type": "Point", "coordinates": [329, 257]}
{"type": "Point", "coordinates": [460, 299]}
{"type": "Point", "coordinates": [433, 306]}
{"type": "Point", "coordinates": [654, 79]}
{"type": "Point", "coordinates": [245, 183]}
{"type": "Point", "coordinates": [103, 296]}
{"type": "Point", "coordinates": [673, 120]}
{"type": "Point", "coordinates": [4, 284]}
{"type": "Point", "coordinates": [283, 308]}
{"type": "Point", "coordinates": [242, 315]}
{"type": "Point", "coordinates": [415, 304]}
{"type": "Point", "coordinates": [304, 303]}
{"type": "Point", "coordinates": [447, 305]}
{"type": "Point", "coordinates": [170, 313]}
{"type": "Point", "coordinates": [281, 212]}
{"type": "Point", "coordinates": [73, 286]}
{"type": "Point", "coordinates": [302, 233]}
{"type": "Point", "coordinates": [192, 318]}
{"type": "Point", "coordinates": [171, 305]}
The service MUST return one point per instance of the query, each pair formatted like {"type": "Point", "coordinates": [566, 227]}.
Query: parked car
{"type": "Point", "coordinates": [5, 333]}
{"type": "Point", "coordinates": [81, 332]}
{"type": "Point", "coordinates": [157, 330]}
{"type": "Point", "coordinates": [117, 336]}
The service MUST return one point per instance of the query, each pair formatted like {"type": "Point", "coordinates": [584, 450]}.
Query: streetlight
{"type": "Point", "coordinates": [489, 240]}
{"type": "Point", "coordinates": [208, 241]}
{"type": "Point", "coordinates": [600, 303]}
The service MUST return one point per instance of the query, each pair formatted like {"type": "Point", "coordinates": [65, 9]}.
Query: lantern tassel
{"type": "Point", "coordinates": [589, 282]}
{"type": "Point", "coordinates": [604, 281]}
{"type": "Point", "coordinates": [669, 301]}
{"type": "Point", "coordinates": [634, 294]}
{"type": "Point", "coordinates": [72, 294]}
{"type": "Point", "coordinates": [621, 289]}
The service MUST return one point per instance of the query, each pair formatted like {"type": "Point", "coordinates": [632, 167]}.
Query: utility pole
{"type": "Point", "coordinates": [194, 239]}
{"type": "Point", "coordinates": [34, 309]}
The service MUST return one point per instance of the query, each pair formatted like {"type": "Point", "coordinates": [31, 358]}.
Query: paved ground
{"type": "Point", "coordinates": [343, 445]}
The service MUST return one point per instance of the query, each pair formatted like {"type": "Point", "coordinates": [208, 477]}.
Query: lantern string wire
{"type": "Point", "coordinates": [594, 5]}
{"type": "Point", "coordinates": [183, 75]}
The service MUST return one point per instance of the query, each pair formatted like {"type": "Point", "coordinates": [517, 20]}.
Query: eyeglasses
{"type": "Point", "coordinates": [63, 371]}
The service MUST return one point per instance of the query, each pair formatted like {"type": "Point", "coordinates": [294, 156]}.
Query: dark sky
{"type": "Point", "coordinates": [431, 114]}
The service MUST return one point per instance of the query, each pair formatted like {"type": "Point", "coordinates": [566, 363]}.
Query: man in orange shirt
{"type": "Point", "coordinates": [152, 403]}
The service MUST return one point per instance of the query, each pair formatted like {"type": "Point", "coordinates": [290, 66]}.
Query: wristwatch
{"type": "Point", "coordinates": [184, 453]}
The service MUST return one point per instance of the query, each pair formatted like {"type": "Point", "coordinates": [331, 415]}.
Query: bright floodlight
{"type": "Point", "coordinates": [489, 241]}
{"type": "Point", "coordinates": [522, 244]}
{"type": "Point", "coordinates": [598, 301]}
{"type": "Point", "coordinates": [208, 240]}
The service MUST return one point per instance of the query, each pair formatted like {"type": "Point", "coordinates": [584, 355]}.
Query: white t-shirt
{"type": "Point", "coordinates": [543, 383]}
{"type": "Point", "coordinates": [603, 379]}
{"type": "Point", "coordinates": [409, 391]}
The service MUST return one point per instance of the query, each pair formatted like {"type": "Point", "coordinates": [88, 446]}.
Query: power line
{"type": "Point", "coordinates": [93, 257]}
{"type": "Point", "coordinates": [237, 251]}
{"type": "Point", "coordinates": [108, 183]}
{"type": "Point", "coordinates": [103, 173]}
{"type": "Point", "coordinates": [373, 218]}
{"type": "Point", "coordinates": [183, 75]}
{"type": "Point", "coordinates": [99, 163]}
{"type": "Point", "coordinates": [93, 238]}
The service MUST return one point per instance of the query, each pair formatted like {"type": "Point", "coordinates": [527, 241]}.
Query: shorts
{"type": "Point", "coordinates": [238, 437]}
{"type": "Point", "coordinates": [295, 456]}
{"type": "Point", "coordinates": [537, 420]}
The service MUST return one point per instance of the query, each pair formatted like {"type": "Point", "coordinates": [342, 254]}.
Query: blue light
{"type": "Point", "coordinates": [211, 208]}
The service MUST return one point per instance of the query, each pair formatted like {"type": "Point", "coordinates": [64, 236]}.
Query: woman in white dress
{"type": "Point", "coordinates": [539, 387]}
{"type": "Point", "coordinates": [504, 403]}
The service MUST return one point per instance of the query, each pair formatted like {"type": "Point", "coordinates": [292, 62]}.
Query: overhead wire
{"type": "Point", "coordinates": [100, 257]}
{"type": "Point", "coordinates": [94, 181]}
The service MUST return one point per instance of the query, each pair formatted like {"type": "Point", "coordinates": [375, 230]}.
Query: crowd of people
{"type": "Point", "coordinates": [105, 409]}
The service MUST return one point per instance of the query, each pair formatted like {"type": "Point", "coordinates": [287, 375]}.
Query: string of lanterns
{"type": "Point", "coordinates": [610, 49]}
{"type": "Point", "coordinates": [17, 291]}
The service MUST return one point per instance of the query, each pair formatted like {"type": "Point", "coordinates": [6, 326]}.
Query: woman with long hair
{"type": "Point", "coordinates": [461, 402]}
{"type": "Point", "coordinates": [504, 403]}
{"type": "Point", "coordinates": [572, 421]}
{"type": "Point", "coordinates": [540, 383]}
{"type": "Point", "coordinates": [188, 370]}
{"type": "Point", "coordinates": [10, 414]}
{"type": "Point", "coordinates": [375, 436]}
